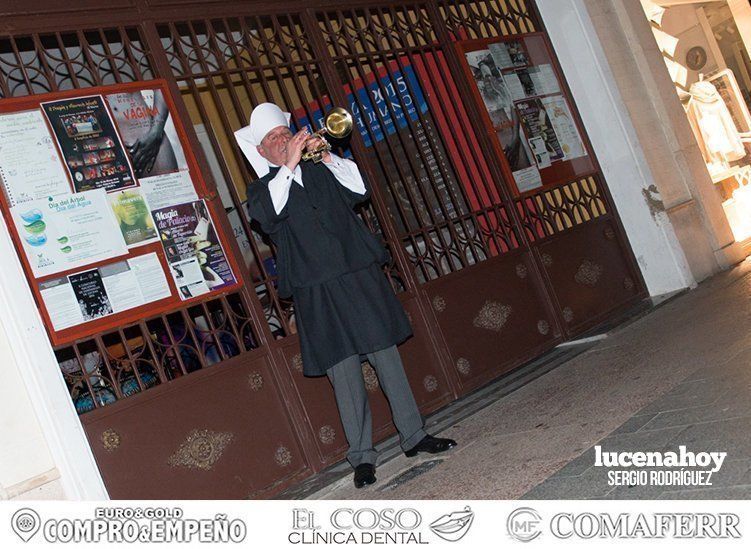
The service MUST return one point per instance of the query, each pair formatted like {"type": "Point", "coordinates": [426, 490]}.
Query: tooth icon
{"type": "Point", "coordinates": [452, 527]}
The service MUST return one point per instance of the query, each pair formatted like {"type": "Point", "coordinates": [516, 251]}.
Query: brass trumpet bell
{"type": "Point", "coordinates": [338, 124]}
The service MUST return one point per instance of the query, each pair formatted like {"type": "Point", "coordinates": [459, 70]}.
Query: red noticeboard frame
{"type": "Point", "coordinates": [558, 172]}
{"type": "Point", "coordinates": [113, 321]}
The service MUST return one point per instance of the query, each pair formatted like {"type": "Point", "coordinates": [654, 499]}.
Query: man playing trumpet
{"type": "Point", "coordinates": [330, 264]}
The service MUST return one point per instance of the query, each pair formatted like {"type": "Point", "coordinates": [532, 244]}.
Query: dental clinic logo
{"type": "Point", "coordinates": [348, 525]}
{"type": "Point", "coordinates": [25, 523]}
{"type": "Point", "coordinates": [454, 526]}
{"type": "Point", "coordinates": [681, 468]}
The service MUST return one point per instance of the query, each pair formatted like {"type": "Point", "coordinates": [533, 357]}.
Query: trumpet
{"type": "Point", "coordinates": [338, 124]}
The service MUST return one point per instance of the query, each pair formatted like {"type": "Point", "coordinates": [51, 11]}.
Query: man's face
{"type": "Point", "coordinates": [273, 147]}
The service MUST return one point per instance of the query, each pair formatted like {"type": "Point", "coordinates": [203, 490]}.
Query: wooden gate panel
{"type": "Point", "coordinates": [588, 273]}
{"type": "Point", "coordinates": [223, 432]}
{"type": "Point", "coordinates": [492, 317]}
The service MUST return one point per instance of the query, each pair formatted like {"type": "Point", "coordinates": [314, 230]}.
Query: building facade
{"type": "Point", "coordinates": [531, 179]}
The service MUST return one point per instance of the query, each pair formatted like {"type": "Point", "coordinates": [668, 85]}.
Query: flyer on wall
{"type": "Point", "coordinates": [110, 289]}
{"type": "Point", "coordinates": [68, 231]}
{"type": "Point", "coordinates": [133, 217]}
{"type": "Point", "coordinates": [148, 132]}
{"type": "Point", "coordinates": [565, 128]}
{"type": "Point", "coordinates": [191, 245]}
{"type": "Point", "coordinates": [30, 166]}
{"type": "Point", "coordinates": [92, 150]}
{"type": "Point", "coordinates": [540, 132]}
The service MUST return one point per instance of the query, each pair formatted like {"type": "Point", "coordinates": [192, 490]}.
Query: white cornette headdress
{"type": "Point", "coordinates": [264, 118]}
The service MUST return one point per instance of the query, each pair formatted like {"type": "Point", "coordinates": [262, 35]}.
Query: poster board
{"type": "Point", "coordinates": [527, 111]}
{"type": "Point", "coordinates": [109, 213]}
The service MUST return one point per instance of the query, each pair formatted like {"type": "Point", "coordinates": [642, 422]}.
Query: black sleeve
{"type": "Point", "coordinates": [261, 208]}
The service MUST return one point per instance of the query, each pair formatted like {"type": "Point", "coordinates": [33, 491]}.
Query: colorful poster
{"type": "Point", "coordinates": [30, 166]}
{"type": "Point", "coordinates": [68, 231]}
{"type": "Point", "coordinates": [91, 295]}
{"type": "Point", "coordinates": [565, 127]}
{"type": "Point", "coordinates": [133, 217]}
{"type": "Point", "coordinates": [540, 133]}
{"type": "Point", "coordinates": [192, 245]}
{"type": "Point", "coordinates": [91, 148]}
{"type": "Point", "coordinates": [147, 130]}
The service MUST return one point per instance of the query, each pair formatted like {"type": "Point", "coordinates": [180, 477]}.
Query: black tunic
{"type": "Point", "coordinates": [329, 262]}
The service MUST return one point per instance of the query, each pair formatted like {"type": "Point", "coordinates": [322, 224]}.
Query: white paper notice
{"type": "Point", "coordinates": [528, 179]}
{"type": "Point", "coordinates": [122, 286]}
{"type": "Point", "coordinates": [151, 278]}
{"type": "Point", "coordinates": [161, 191]}
{"type": "Point", "coordinates": [514, 85]}
{"type": "Point", "coordinates": [61, 303]}
{"type": "Point", "coordinates": [564, 126]}
{"type": "Point", "coordinates": [545, 79]}
{"type": "Point", "coordinates": [68, 231]}
{"type": "Point", "coordinates": [189, 278]}
{"type": "Point", "coordinates": [30, 165]}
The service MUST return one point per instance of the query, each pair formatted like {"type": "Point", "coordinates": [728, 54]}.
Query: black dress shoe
{"type": "Point", "coordinates": [364, 474]}
{"type": "Point", "coordinates": [431, 445]}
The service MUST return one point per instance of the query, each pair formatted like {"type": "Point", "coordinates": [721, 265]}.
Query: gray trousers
{"type": "Point", "coordinates": [354, 409]}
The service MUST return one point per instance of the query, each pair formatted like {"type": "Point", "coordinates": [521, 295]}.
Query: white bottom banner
{"type": "Point", "coordinates": [272, 524]}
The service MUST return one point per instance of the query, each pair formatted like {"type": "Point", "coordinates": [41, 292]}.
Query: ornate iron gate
{"type": "Point", "coordinates": [489, 279]}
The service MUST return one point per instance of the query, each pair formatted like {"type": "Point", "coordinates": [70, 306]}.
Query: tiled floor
{"type": "Point", "coordinates": [680, 375]}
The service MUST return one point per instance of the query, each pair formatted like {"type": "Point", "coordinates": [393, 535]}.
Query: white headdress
{"type": "Point", "coordinates": [264, 118]}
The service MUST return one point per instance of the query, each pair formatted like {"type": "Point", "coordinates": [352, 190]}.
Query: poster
{"type": "Point", "coordinates": [148, 132]}
{"type": "Point", "coordinates": [110, 289]}
{"type": "Point", "coordinates": [493, 89]}
{"type": "Point", "coordinates": [91, 295]}
{"type": "Point", "coordinates": [90, 145]}
{"type": "Point", "coordinates": [540, 133]}
{"type": "Point", "coordinates": [191, 245]}
{"type": "Point", "coordinates": [30, 166]}
{"type": "Point", "coordinates": [133, 217]}
{"type": "Point", "coordinates": [163, 190]}
{"type": "Point", "coordinates": [564, 126]}
{"type": "Point", "coordinates": [508, 55]}
{"type": "Point", "coordinates": [68, 231]}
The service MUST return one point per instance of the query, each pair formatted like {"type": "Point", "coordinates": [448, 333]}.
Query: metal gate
{"type": "Point", "coordinates": [209, 401]}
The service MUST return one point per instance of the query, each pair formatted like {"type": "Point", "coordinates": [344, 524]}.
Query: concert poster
{"type": "Point", "coordinates": [91, 148]}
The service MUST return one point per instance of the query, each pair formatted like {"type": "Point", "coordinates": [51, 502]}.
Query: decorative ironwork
{"type": "Point", "coordinates": [326, 434]}
{"type": "Point", "coordinates": [492, 316]}
{"type": "Point", "coordinates": [488, 18]}
{"type": "Point", "coordinates": [111, 440]}
{"type": "Point", "coordinates": [282, 456]}
{"type": "Point", "coordinates": [255, 381]}
{"type": "Point", "coordinates": [430, 383]}
{"type": "Point", "coordinates": [543, 327]}
{"type": "Point", "coordinates": [297, 362]}
{"type": "Point", "coordinates": [588, 273]}
{"type": "Point", "coordinates": [463, 366]}
{"type": "Point", "coordinates": [568, 314]}
{"type": "Point", "coordinates": [370, 377]}
{"type": "Point", "coordinates": [201, 449]}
